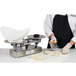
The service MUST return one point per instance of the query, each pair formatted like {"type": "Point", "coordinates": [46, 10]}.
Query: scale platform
{"type": "Point", "coordinates": [25, 52]}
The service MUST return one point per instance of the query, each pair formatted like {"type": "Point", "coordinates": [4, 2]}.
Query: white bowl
{"type": "Point", "coordinates": [13, 34]}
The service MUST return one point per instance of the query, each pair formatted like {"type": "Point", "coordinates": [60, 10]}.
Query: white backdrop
{"type": "Point", "coordinates": [20, 14]}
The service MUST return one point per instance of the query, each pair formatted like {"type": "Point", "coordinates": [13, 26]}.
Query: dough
{"type": "Point", "coordinates": [57, 53]}
{"type": "Point", "coordinates": [48, 52]}
{"type": "Point", "coordinates": [38, 56]}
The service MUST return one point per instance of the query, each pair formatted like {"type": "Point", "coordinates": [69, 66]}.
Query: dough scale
{"type": "Point", "coordinates": [26, 46]}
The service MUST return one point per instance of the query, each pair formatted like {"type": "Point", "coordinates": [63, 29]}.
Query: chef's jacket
{"type": "Point", "coordinates": [48, 25]}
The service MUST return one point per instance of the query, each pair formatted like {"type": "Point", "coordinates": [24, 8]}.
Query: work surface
{"type": "Point", "coordinates": [5, 57]}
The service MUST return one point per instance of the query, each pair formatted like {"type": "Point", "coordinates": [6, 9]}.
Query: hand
{"type": "Point", "coordinates": [66, 48]}
{"type": "Point", "coordinates": [53, 39]}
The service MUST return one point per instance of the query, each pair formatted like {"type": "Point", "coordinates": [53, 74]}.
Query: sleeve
{"type": "Point", "coordinates": [74, 38]}
{"type": "Point", "coordinates": [48, 25]}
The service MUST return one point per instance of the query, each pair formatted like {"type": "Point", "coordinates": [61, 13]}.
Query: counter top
{"type": "Point", "coordinates": [5, 57]}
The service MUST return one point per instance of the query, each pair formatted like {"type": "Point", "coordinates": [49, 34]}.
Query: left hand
{"type": "Point", "coordinates": [53, 39]}
{"type": "Point", "coordinates": [66, 48]}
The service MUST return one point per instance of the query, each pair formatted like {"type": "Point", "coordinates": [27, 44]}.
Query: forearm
{"type": "Point", "coordinates": [72, 42]}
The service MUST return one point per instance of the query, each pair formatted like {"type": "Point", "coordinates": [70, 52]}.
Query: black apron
{"type": "Point", "coordinates": [61, 30]}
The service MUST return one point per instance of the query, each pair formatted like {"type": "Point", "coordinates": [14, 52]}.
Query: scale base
{"type": "Point", "coordinates": [25, 52]}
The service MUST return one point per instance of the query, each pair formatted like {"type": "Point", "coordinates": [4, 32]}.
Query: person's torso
{"type": "Point", "coordinates": [71, 21]}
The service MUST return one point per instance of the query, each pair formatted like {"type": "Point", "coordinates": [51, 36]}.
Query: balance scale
{"type": "Point", "coordinates": [26, 46]}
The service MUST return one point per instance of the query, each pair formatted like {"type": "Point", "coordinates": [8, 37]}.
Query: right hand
{"type": "Point", "coordinates": [53, 39]}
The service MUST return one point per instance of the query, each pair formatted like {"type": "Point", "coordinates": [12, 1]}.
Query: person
{"type": "Point", "coordinates": [61, 28]}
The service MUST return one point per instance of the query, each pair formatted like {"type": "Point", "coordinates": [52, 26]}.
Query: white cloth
{"type": "Point", "coordinates": [49, 22]}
